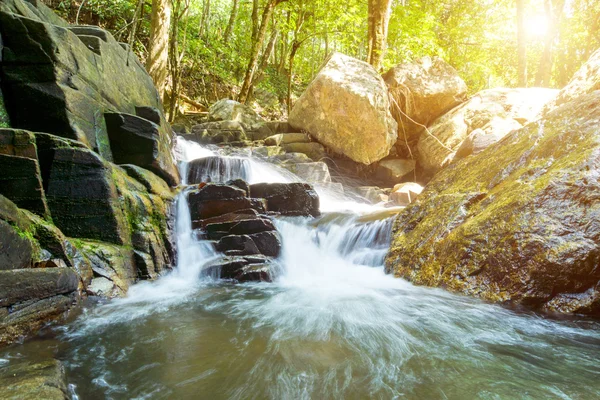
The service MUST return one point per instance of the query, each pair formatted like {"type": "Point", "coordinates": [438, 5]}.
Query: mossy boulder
{"type": "Point", "coordinates": [516, 223]}
{"type": "Point", "coordinates": [34, 380]}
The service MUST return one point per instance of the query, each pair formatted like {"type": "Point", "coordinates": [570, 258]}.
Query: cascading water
{"type": "Point", "coordinates": [331, 325]}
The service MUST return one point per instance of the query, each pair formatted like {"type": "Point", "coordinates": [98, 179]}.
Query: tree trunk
{"type": "Point", "coordinates": [257, 44]}
{"type": "Point", "coordinates": [232, 18]}
{"type": "Point", "coordinates": [379, 19]}
{"type": "Point", "coordinates": [204, 21]}
{"type": "Point", "coordinates": [521, 44]}
{"type": "Point", "coordinates": [553, 13]}
{"type": "Point", "coordinates": [255, 26]}
{"type": "Point", "coordinates": [158, 51]}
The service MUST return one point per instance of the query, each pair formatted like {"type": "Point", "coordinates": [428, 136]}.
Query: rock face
{"type": "Point", "coordinates": [494, 111]}
{"type": "Point", "coordinates": [72, 221]}
{"type": "Point", "coordinates": [346, 108]}
{"type": "Point", "coordinates": [68, 77]}
{"type": "Point", "coordinates": [423, 90]}
{"type": "Point", "coordinates": [516, 223]}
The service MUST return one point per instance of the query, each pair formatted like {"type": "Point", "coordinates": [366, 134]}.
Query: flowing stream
{"type": "Point", "coordinates": [331, 325]}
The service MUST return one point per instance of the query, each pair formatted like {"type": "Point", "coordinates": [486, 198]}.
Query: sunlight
{"type": "Point", "coordinates": [536, 26]}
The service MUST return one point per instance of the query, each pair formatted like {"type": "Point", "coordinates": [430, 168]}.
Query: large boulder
{"type": "Point", "coordinates": [346, 108]}
{"type": "Point", "coordinates": [585, 80]}
{"type": "Point", "coordinates": [494, 111]}
{"type": "Point", "coordinates": [516, 223]}
{"type": "Point", "coordinates": [68, 77]}
{"type": "Point", "coordinates": [422, 91]}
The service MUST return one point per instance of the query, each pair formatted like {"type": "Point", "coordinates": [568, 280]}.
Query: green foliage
{"type": "Point", "coordinates": [477, 37]}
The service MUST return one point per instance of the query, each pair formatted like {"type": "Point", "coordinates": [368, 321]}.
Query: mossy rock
{"type": "Point", "coordinates": [516, 223]}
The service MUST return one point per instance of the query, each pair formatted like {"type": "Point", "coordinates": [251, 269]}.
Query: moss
{"type": "Point", "coordinates": [516, 222]}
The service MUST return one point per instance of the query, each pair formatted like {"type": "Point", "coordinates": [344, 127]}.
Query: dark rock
{"type": "Point", "coordinates": [35, 283]}
{"type": "Point", "coordinates": [516, 223]}
{"type": "Point", "coordinates": [21, 182]}
{"type": "Point", "coordinates": [17, 142]}
{"type": "Point", "coordinates": [226, 218]}
{"type": "Point", "coordinates": [213, 208]}
{"type": "Point", "coordinates": [268, 243]}
{"type": "Point", "coordinates": [217, 169]}
{"type": "Point", "coordinates": [151, 182]}
{"type": "Point", "coordinates": [243, 269]}
{"type": "Point", "coordinates": [241, 243]}
{"type": "Point", "coordinates": [135, 140]}
{"type": "Point", "coordinates": [16, 250]}
{"type": "Point", "coordinates": [288, 198]}
{"type": "Point", "coordinates": [252, 226]}
{"type": "Point", "coordinates": [215, 191]}
{"type": "Point", "coordinates": [227, 224]}
{"type": "Point", "coordinates": [115, 263]}
{"type": "Point", "coordinates": [150, 113]}
{"type": "Point", "coordinates": [51, 72]}
{"type": "Point", "coordinates": [240, 183]}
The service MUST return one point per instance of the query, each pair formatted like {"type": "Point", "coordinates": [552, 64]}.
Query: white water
{"type": "Point", "coordinates": [331, 325]}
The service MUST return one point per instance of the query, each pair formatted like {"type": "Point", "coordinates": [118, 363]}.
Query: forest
{"type": "Point", "coordinates": [203, 50]}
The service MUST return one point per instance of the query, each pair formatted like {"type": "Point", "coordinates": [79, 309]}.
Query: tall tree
{"type": "Point", "coordinates": [554, 10]}
{"type": "Point", "coordinates": [257, 44]}
{"type": "Point", "coordinates": [158, 51]}
{"type": "Point", "coordinates": [378, 22]}
{"type": "Point", "coordinates": [521, 44]}
{"type": "Point", "coordinates": [231, 23]}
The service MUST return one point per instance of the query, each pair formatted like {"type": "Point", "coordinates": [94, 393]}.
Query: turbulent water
{"type": "Point", "coordinates": [331, 325]}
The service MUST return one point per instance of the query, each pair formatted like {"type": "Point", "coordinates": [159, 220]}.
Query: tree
{"type": "Point", "coordinates": [378, 22]}
{"type": "Point", "coordinates": [231, 23]}
{"type": "Point", "coordinates": [257, 44]}
{"type": "Point", "coordinates": [521, 44]}
{"type": "Point", "coordinates": [158, 51]}
{"type": "Point", "coordinates": [554, 9]}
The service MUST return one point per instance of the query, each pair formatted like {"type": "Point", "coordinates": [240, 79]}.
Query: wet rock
{"type": "Point", "coordinates": [138, 141]}
{"type": "Point", "coordinates": [371, 193]}
{"type": "Point", "coordinates": [240, 183]}
{"type": "Point", "coordinates": [215, 191]}
{"type": "Point", "coordinates": [250, 268]}
{"type": "Point", "coordinates": [288, 198]}
{"type": "Point", "coordinates": [217, 169]}
{"type": "Point", "coordinates": [346, 108]}
{"type": "Point", "coordinates": [423, 90]}
{"type": "Point", "coordinates": [16, 251]}
{"type": "Point", "coordinates": [516, 223]}
{"type": "Point", "coordinates": [228, 218]}
{"type": "Point", "coordinates": [268, 243]}
{"type": "Point", "coordinates": [475, 143]}
{"type": "Point", "coordinates": [34, 380]}
{"type": "Point", "coordinates": [267, 151]}
{"type": "Point", "coordinates": [242, 244]}
{"type": "Point", "coordinates": [153, 183]}
{"type": "Point", "coordinates": [259, 131]}
{"type": "Point", "coordinates": [103, 287]}
{"type": "Point", "coordinates": [231, 110]}
{"type": "Point", "coordinates": [252, 226]}
{"type": "Point", "coordinates": [213, 208]}
{"type": "Point", "coordinates": [494, 111]}
{"type": "Point", "coordinates": [115, 263]}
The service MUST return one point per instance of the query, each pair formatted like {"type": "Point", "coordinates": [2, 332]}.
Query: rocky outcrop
{"type": "Point", "coordinates": [495, 111]}
{"type": "Point", "coordinates": [68, 77]}
{"type": "Point", "coordinates": [346, 108]}
{"type": "Point", "coordinates": [516, 223]}
{"type": "Point", "coordinates": [423, 90]}
{"type": "Point", "coordinates": [394, 170]}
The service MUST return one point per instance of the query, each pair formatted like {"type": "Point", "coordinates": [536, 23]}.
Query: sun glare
{"type": "Point", "coordinates": [536, 25]}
